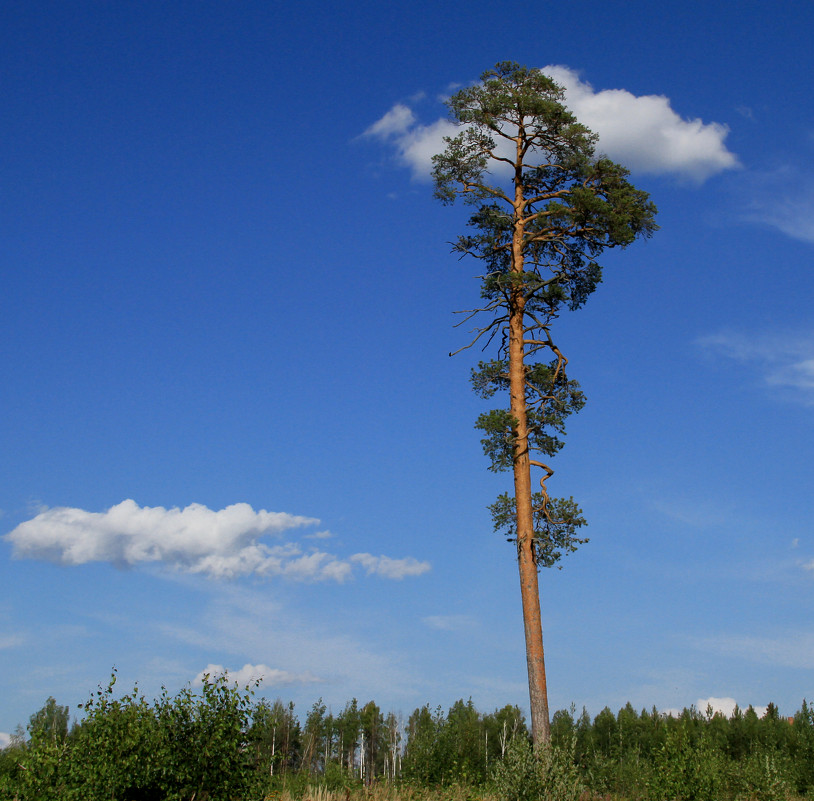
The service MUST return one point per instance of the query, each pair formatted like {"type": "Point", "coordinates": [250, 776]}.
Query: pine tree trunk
{"type": "Point", "coordinates": [529, 588]}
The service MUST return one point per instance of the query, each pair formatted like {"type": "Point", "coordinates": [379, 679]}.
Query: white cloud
{"type": "Point", "coordinates": [390, 568]}
{"type": "Point", "coordinates": [249, 674]}
{"type": "Point", "coordinates": [784, 360]}
{"type": "Point", "coordinates": [726, 706]}
{"type": "Point", "coordinates": [319, 535]}
{"type": "Point", "coordinates": [396, 122]}
{"type": "Point", "coordinates": [642, 132]}
{"type": "Point", "coordinates": [415, 144]}
{"type": "Point", "coordinates": [222, 544]}
{"type": "Point", "coordinates": [5, 739]}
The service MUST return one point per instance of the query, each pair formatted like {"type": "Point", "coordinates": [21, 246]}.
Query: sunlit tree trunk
{"type": "Point", "coordinates": [527, 565]}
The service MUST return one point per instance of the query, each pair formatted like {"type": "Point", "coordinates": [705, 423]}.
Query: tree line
{"type": "Point", "coordinates": [218, 742]}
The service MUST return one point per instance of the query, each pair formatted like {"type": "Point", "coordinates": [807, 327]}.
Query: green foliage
{"type": "Point", "coordinates": [312, 737]}
{"type": "Point", "coordinates": [423, 761]}
{"type": "Point", "coordinates": [575, 205]}
{"type": "Point", "coordinates": [684, 771]}
{"type": "Point", "coordinates": [41, 763]}
{"type": "Point", "coordinates": [556, 521]}
{"type": "Point", "coordinates": [462, 742]}
{"type": "Point", "coordinates": [273, 737]}
{"type": "Point", "coordinates": [546, 773]}
{"type": "Point", "coordinates": [188, 746]}
{"type": "Point", "coordinates": [550, 398]}
{"type": "Point", "coordinates": [214, 744]}
{"type": "Point", "coordinates": [762, 778]}
{"type": "Point", "coordinates": [375, 744]}
{"type": "Point", "coordinates": [204, 737]}
{"type": "Point", "coordinates": [50, 723]}
{"type": "Point", "coordinates": [117, 751]}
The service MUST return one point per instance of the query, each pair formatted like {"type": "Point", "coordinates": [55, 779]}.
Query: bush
{"type": "Point", "coordinates": [547, 773]}
{"type": "Point", "coordinates": [188, 746]}
{"type": "Point", "coordinates": [686, 772]}
{"type": "Point", "coordinates": [761, 779]}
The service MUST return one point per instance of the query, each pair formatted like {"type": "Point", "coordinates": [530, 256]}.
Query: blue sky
{"type": "Point", "coordinates": [231, 432]}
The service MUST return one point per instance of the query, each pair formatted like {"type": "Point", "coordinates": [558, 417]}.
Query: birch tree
{"type": "Point", "coordinates": [546, 206]}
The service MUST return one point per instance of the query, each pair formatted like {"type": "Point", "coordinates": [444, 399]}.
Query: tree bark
{"type": "Point", "coordinates": [527, 565]}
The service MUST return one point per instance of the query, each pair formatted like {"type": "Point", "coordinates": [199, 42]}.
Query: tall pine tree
{"type": "Point", "coordinates": [546, 207]}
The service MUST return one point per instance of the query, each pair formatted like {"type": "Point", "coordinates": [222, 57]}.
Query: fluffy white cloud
{"type": "Point", "coordinates": [5, 739]}
{"type": "Point", "coordinates": [248, 674]}
{"type": "Point", "coordinates": [396, 122]}
{"type": "Point", "coordinates": [196, 539]}
{"type": "Point", "coordinates": [390, 568]}
{"type": "Point", "coordinates": [784, 360]}
{"type": "Point", "coordinates": [726, 706]}
{"type": "Point", "coordinates": [642, 132]}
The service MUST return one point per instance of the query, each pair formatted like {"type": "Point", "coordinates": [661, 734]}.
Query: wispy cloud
{"type": "Point", "coordinates": [695, 512]}
{"type": "Point", "coordinates": [449, 622]}
{"type": "Point", "coordinates": [11, 641]}
{"type": "Point", "coordinates": [221, 544]}
{"type": "Point", "coordinates": [792, 649]}
{"type": "Point", "coordinates": [319, 535]}
{"type": "Point", "coordinates": [642, 132]}
{"type": "Point", "coordinates": [386, 567]}
{"type": "Point", "coordinates": [248, 674]}
{"type": "Point", "coordinates": [782, 198]}
{"type": "Point", "coordinates": [784, 361]}
{"type": "Point", "coordinates": [244, 622]}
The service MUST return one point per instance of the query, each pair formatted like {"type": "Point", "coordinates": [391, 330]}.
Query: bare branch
{"type": "Point", "coordinates": [492, 327]}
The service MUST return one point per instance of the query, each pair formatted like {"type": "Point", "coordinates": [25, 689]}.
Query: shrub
{"type": "Point", "coordinates": [547, 773]}
{"type": "Point", "coordinates": [686, 772]}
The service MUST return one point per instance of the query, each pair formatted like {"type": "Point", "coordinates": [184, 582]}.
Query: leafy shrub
{"type": "Point", "coordinates": [190, 746]}
{"type": "Point", "coordinates": [684, 771]}
{"type": "Point", "coordinates": [761, 778]}
{"type": "Point", "coordinates": [547, 773]}
{"type": "Point", "coordinates": [204, 754]}
{"type": "Point", "coordinates": [116, 751]}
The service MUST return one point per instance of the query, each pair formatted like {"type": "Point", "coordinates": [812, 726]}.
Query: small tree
{"type": "Point", "coordinates": [545, 208]}
{"type": "Point", "coordinates": [50, 722]}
